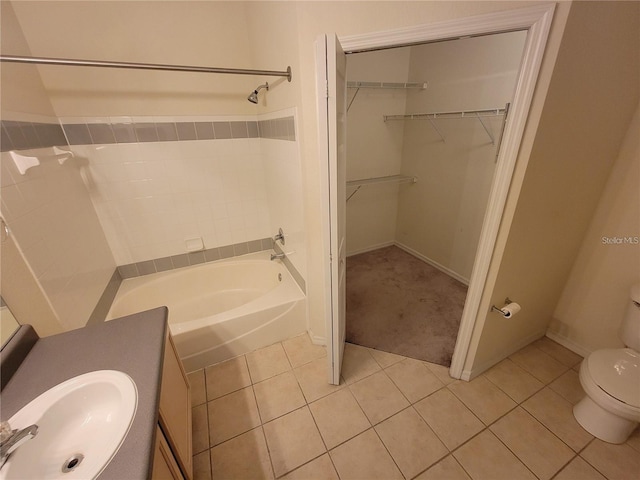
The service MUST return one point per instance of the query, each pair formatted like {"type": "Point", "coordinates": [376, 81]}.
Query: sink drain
{"type": "Point", "coordinates": [72, 462]}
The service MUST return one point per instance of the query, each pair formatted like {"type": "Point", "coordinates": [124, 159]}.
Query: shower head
{"type": "Point", "coordinates": [253, 96]}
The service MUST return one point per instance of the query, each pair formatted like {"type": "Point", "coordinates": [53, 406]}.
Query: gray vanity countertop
{"type": "Point", "coordinates": [132, 344]}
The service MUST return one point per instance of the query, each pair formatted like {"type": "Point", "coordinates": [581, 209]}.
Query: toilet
{"type": "Point", "coordinates": [610, 378]}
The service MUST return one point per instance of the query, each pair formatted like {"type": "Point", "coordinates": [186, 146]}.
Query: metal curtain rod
{"type": "Point", "coordinates": [142, 66]}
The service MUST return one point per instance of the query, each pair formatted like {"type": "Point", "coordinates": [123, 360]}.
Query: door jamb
{"type": "Point", "coordinates": [537, 21]}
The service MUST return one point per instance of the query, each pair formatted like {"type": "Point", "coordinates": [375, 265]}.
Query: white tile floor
{"type": "Point", "coordinates": [272, 414]}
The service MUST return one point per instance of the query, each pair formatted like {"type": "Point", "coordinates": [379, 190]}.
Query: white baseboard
{"type": "Point", "coordinates": [479, 369]}
{"type": "Point", "coordinates": [316, 339]}
{"type": "Point", "coordinates": [433, 263]}
{"type": "Point", "coordinates": [565, 342]}
{"type": "Point", "coordinates": [370, 248]}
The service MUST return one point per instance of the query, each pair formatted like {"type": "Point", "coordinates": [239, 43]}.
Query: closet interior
{"type": "Point", "coordinates": [424, 126]}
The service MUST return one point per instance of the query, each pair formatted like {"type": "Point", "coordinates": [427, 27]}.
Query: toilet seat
{"type": "Point", "coordinates": [617, 373]}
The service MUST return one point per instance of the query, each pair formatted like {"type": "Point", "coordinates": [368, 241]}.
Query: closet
{"type": "Point", "coordinates": [424, 128]}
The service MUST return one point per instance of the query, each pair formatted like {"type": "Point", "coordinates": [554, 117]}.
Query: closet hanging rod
{"type": "Point", "coordinates": [142, 66]}
{"type": "Point", "coordinates": [435, 115]}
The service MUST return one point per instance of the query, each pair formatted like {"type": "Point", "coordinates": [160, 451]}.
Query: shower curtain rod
{"type": "Point", "coordinates": [142, 66]}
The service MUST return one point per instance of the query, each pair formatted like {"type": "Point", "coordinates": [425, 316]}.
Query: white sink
{"type": "Point", "coordinates": [81, 424]}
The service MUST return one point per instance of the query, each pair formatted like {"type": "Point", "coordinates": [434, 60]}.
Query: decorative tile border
{"type": "Point", "coordinates": [194, 258]}
{"type": "Point", "coordinates": [28, 135]}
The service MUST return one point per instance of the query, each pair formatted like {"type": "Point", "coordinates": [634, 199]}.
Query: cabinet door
{"type": "Point", "coordinates": [164, 465]}
{"type": "Point", "coordinates": [175, 408]}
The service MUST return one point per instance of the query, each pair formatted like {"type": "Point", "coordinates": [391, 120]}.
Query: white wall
{"type": "Point", "coordinates": [596, 295]}
{"type": "Point", "coordinates": [591, 98]}
{"type": "Point", "coordinates": [374, 148]}
{"type": "Point", "coordinates": [440, 217]}
{"type": "Point", "coordinates": [52, 221]}
{"type": "Point", "coordinates": [214, 33]}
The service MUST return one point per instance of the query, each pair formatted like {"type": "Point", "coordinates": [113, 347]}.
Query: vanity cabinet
{"type": "Point", "coordinates": [173, 449]}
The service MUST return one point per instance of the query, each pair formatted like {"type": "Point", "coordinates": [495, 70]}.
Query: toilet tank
{"type": "Point", "coordinates": [630, 327]}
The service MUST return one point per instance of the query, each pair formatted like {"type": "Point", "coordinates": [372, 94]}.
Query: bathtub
{"type": "Point", "coordinates": [222, 309]}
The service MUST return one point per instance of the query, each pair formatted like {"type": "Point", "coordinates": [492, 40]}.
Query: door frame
{"type": "Point", "coordinates": [537, 21]}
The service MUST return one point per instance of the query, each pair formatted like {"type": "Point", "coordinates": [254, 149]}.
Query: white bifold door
{"type": "Point", "coordinates": [332, 130]}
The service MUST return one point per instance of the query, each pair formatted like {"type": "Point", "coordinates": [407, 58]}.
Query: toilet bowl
{"type": "Point", "coordinates": [610, 378]}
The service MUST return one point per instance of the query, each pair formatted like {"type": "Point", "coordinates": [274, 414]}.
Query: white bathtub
{"type": "Point", "coordinates": [221, 309]}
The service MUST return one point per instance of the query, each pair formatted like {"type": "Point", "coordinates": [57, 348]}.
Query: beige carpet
{"type": "Point", "coordinates": [397, 303]}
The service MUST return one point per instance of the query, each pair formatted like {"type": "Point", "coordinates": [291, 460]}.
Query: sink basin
{"type": "Point", "coordinates": [81, 424]}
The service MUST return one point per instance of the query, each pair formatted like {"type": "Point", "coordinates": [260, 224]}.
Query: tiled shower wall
{"type": "Point", "coordinates": [155, 183]}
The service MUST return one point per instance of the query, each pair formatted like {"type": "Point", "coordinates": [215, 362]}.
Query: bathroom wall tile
{"type": "Point", "coordinates": [254, 246]}
{"type": "Point", "coordinates": [50, 134]}
{"type": "Point", "coordinates": [186, 130]}
{"type": "Point", "coordinates": [222, 130]}
{"type": "Point", "coordinates": [167, 132]}
{"type": "Point", "coordinates": [101, 310]}
{"type": "Point", "coordinates": [212, 254]}
{"type": "Point", "coordinates": [14, 132]}
{"type": "Point", "coordinates": [240, 249]}
{"type": "Point", "coordinates": [30, 135]}
{"type": "Point", "coordinates": [146, 132]}
{"type": "Point", "coordinates": [291, 128]}
{"type": "Point", "coordinates": [124, 132]}
{"type": "Point", "coordinates": [227, 251]}
{"type": "Point", "coordinates": [101, 133]}
{"type": "Point", "coordinates": [5, 140]}
{"type": "Point", "coordinates": [180, 261]}
{"type": "Point", "coordinates": [77, 134]}
{"type": "Point", "coordinates": [128, 271]}
{"type": "Point", "coordinates": [239, 130]}
{"type": "Point", "coordinates": [267, 244]}
{"type": "Point", "coordinates": [163, 264]}
{"type": "Point", "coordinates": [204, 131]}
{"type": "Point", "coordinates": [252, 129]}
{"type": "Point", "coordinates": [146, 268]}
{"type": "Point", "coordinates": [196, 258]}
